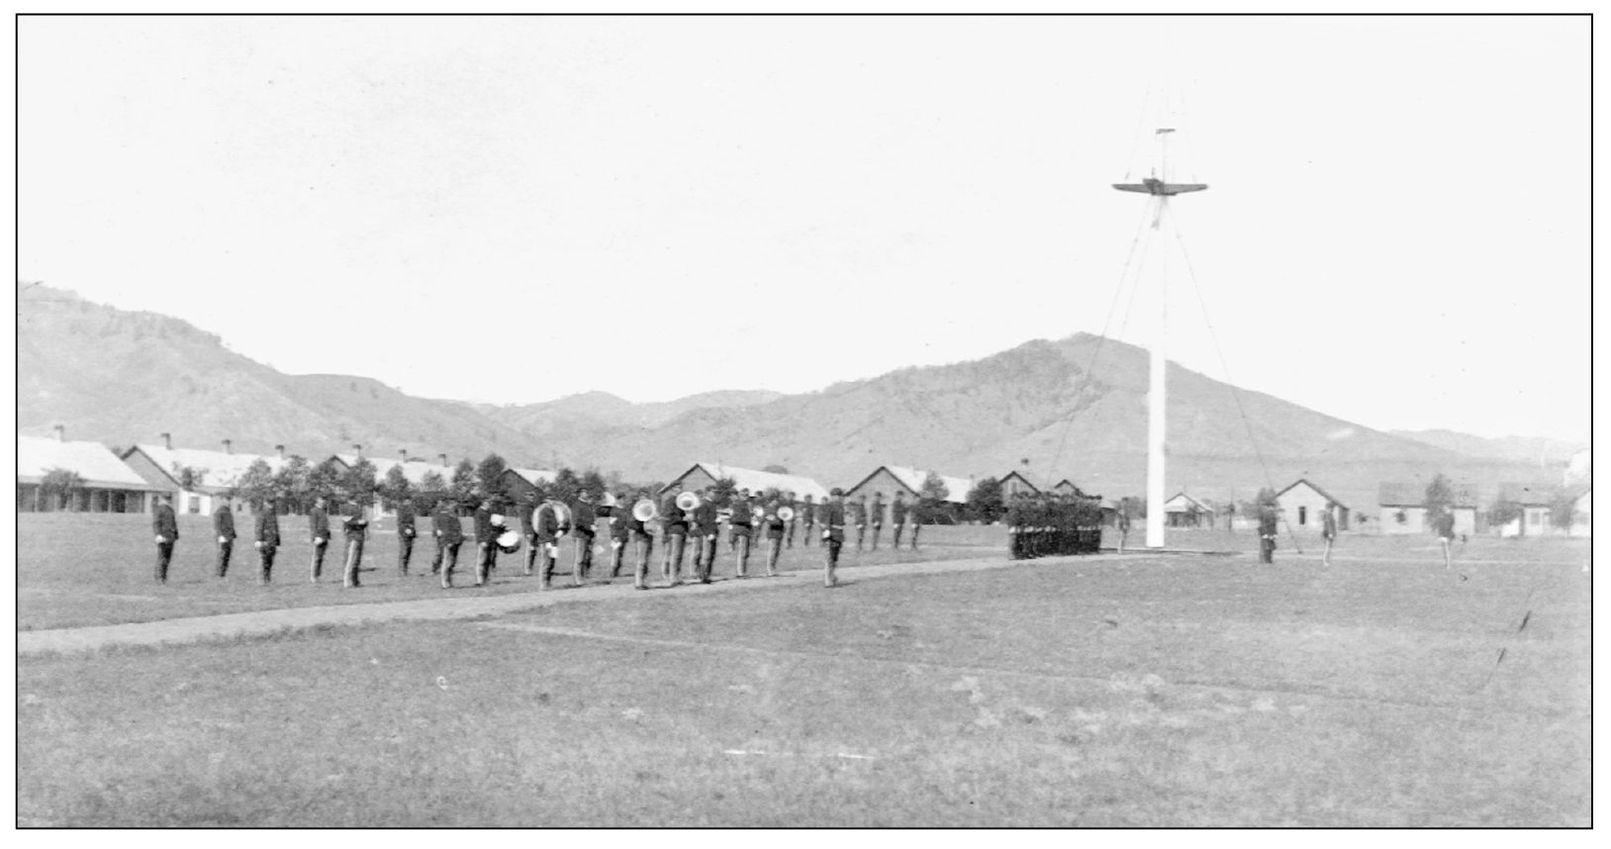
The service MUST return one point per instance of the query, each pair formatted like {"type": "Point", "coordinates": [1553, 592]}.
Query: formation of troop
{"type": "Point", "coordinates": [1049, 524]}
{"type": "Point", "coordinates": [690, 524]}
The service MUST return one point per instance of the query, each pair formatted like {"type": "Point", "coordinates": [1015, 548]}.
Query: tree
{"type": "Point", "coordinates": [433, 488]}
{"type": "Point", "coordinates": [565, 485]}
{"type": "Point", "coordinates": [358, 484]}
{"type": "Point", "coordinates": [984, 502]}
{"type": "Point", "coordinates": [489, 476]}
{"type": "Point", "coordinates": [932, 506]}
{"type": "Point", "coordinates": [1562, 510]}
{"type": "Point", "coordinates": [189, 477]}
{"type": "Point", "coordinates": [291, 485]}
{"type": "Point", "coordinates": [395, 488]}
{"type": "Point", "coordinates": [723, 490]}
{"type": "Point", "coordinates": [463, 485]}
{"type": "Point", "coordinates": [62, 486]}
{"type": "Point", "coordinates": [592, 483]}
{"type": "Point", "coordinates": [256, 485]}
{"type": "Point", "coordinates": [1503, 512]}
{"type": "Point", "coordinates": [325, 480]}
{"type": "Point", "coordinates": [1439, 496]}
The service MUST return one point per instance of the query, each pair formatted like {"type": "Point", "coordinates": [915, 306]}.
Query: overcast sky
{"type": "Point", "coordinates": [1397, 231]}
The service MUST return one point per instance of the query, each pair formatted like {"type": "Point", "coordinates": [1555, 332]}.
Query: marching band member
{"type": "Point", "coordinates": [915, 514]}
{"type": "Point", "coordinates": [833, 535]}
{"type": "Point", "coordinates": [267, 540]}
{"type": "Point", "coordinates": [674, 527]}
{"type": "Point", "coordinates": [897, 515]}
{"type": "Point", "coordinates": [582, 521]}
{"type": "Point", "coordinates": [548, 529]}
{"type": "Point", "coordinates": [486, 540]}
{"type": "Point", "coordinates": [705, 528]}
{"type": "Point", "coordinates": [224, 529]}
{"type": "Point", "coordinates": [166, 528]}
{"type": "Point", "coordinates": [405, 534]}
{"type": "Point", "coordinates": [643, 543]}
{"type": "Point", "coordinates": [774, 526]}
{"type": "Point", "coordinates": [617, 515]}
{"type": "Point", "coordinates": [319, 534]}
{"type": "Point", "coordinates": [807, 517]}
{"type": "Point", "coordinates": [857, 511]}
{"type": "Point", "coordinates": [449, 535]}
{"type": "Point", "coordinates": [875, 517]}
{"type": "Point", "coordinates": [743, 522]}
{"type": "Point", "coordinates": [528, 532]}
{"type": "Point", "coordinates": [356, 523]}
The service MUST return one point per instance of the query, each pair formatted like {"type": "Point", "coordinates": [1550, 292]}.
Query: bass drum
{"type": "Point", "coordinates": [509, 542]}
{"type": "Point", "coordinates": [562, 514]}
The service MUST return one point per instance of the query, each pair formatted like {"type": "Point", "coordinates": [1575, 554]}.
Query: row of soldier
{"type": "Point", "coordinates": [1050, 524]}
{"type": "Point", "coordinates": [773, 517]}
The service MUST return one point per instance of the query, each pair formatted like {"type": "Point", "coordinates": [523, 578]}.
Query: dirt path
{"type": "Point", "coordinates": [460, 604]}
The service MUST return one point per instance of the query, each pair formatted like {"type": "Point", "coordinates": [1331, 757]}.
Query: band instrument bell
{"type": "Point", "coordinates": [688, 501]}
{"type": "Point", "coordinates": [644, 510]}
{"type": "Point", "coordinates": [786, 513]}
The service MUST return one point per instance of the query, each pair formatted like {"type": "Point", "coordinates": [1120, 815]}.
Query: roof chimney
{"type": "Point", "coordinates": [61, 433]}
{"type": "Point", "coordinates": [167, 441]}
{"type": "Point", "coordinates": [358, 449]}
{"type": "Point", "coordinates": [228, 449]}
{"type": "Point", "coordinates": [444, 458]}
{"type": "Point", "coordinates": [281, 450]}
{"type": "Point", "coordinates": [402, 455]}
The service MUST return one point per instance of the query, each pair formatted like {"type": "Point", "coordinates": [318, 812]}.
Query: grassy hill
{"type": "Point", "coordinates": [1073, 408]}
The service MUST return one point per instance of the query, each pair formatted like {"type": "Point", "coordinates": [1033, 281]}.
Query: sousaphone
{"type": "Point", "coordinates": [688, 501]}
{"type": "Point", "coordinates": [562, 514]}
{"type": "Point", "coordinates": [645, 511]}
{"type": "Point", "coordinates": [786, 513]}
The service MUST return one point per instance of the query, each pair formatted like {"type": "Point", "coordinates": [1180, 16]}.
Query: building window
{"type": "Point", "coordinates": [1303, 515]}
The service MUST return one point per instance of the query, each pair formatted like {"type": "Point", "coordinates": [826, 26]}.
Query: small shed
{"type": "Point", "coordinates": [1183, 511]}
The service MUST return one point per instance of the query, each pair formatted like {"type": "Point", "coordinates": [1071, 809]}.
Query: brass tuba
{"type": "Point", "coordinates": [645, 511]}
{"type": "Point", "coordinates": [688, 501]}
{"type": "Point", "coordinates": [786, 513]}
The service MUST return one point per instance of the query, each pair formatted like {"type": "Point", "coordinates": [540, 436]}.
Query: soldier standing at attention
{"type": "Point", "coordinates": [617, 516]}
{"type": "Point", "coordinates": [743, 524]}
{"type": "Point", "coordinates": [808, 519]}
{"type": "Point", "coordinates": [528, 532]}
{"type": "Point", "coordinates": [1122, 520]}
{"type": "Point", "coordinates": [356, 524]}
{"type": "Point", "coordinates": [319, 530]}
{"type": "Point", "coordinates": [833, 535]}
{"type": "Point", "coordinates": [449, 536]}
{"type": "Point", "coordinates": [916, 515]}
{"type": "Point", "coordinates": [774, 526]}
{"type": "Point", "coordinates": [582, 520]}
{"type": "Point", "coordinates": [1328, 530]}
{"type": "Point", "coordinates": [405, 534]}
{"type": "Point", "coordinates": [642, 543]}
{"type": "Point", "coordinates": [857, 515]}
{"type": "Point", "coordinates": [788, 499]}
{"type": "Point", "coordinates": [1267, 533]}
{"type": "Point", "coordinates": [897, 515]}
{"type": "Point", "coordinates": [674, 527]}
{"type": "Point", "coordinates": [224, 529]}
{"type": "Point", "coordinates": [486, 541]}
{"type": "Point", "coordinates": [268, 540]}
{"type": "Point", "coordinates": [1444, 524]}
{"type": "Point", "coordinates": [546, 523]}
{"type": "Point", "coordinates": [166, 528]}
{"type": "Point", "coordinates": [875, 517]}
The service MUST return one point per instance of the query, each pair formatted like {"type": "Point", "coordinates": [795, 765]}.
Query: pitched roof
{"type": "Point", "coordinates": [1305, 481]}
{"type": "Point", "coordinates": [414, 471]}
{"type": "Point", "coordinates": [1400, 494]}
{"type": "Point", "coordinates": [1189, 503]}
{"type": "Point", "coordinates": [534, 477]}
{"type": "Point", "coordinates": [92, 461]}
{"type": "Point", "coordinates": [222, 469]}
{"type": "Point", "coordinates": [956, 489]}
{"type": "Point", "coordinates": [1529, 496]}
{"type": "Point", "coordinates": [1021, 479]}
{"type": "Point", "coordinates": [754, 480]}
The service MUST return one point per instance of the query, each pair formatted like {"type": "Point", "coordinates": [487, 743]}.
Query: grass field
{"type": "Point", "coordinates": [1141, 690]}
{"type": "Point", "coordinates": [83, 569]}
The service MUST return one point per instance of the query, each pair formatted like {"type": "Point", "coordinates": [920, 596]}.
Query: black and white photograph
{"type": "Point", "coordinates": [797, 421]}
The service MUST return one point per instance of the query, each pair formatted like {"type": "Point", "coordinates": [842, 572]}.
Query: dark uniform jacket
{"type": "Point", "coordinates": [1445, 525]}
{"type": "Point", "coordinates": [485, 530]}
{"type": "Point", "coordinates": [163, 524]}
{"type": "Point", "coordinates": [875, 513]}
{"type": "Point", "coordinates": [583, 517]}
{"type": "Point", "coordinates": [526, 526]}
{"type": "Point", "coordinates": [547, 525]}
{"type": "Point", "coordinates": [823, 510]}
{"type": "Point", "coordinates": [1266, 523]}
{"type": "Point", "coordinates": [856, 512]}
{"type": "Point", "coordinates": [405, 520]}
{"type": "Point", "coordinates": [354, 521]}
{"type": "Point", "coordinates": [224, 523]}
{"type": "Point", "coordinates": [705, 518]}
{"type": "Point", "coordinates": [446, 526]}
{"type": "Point", "coordinates": [833, 521]}
{"type": "Point", "coordinates": [1328, 525]}
{"type": "Point", "coordinates": [897, 512]}
{"type": "Point", "coordinates": [743, 512]}
{"type": "Point", "coordinates": [807, 512]}
{"type": "Point", "coordinates": [319, 523]}
{"type": "Point", "coordinates": [773, 524]}
{"type": "Point", "coordinates": [672, 518]}
{"type": "Point", "coordinates": [268, 529]}
{"type": "Point", "coordinates": [618, 518]}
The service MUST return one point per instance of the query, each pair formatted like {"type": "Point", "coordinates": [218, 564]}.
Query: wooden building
{"type": "Point", "coordinates": [1183, 511]}
{"type": "Point", "coordinates": [1015, 483]}
{"type": "Point", "coordinates": [1402, 509]}
{"type": "Point", "coordinates": [520, 483]}
{"type": "Point", "coordinates": [219, 471]}
{"type": "Point", "coordinates": [701, 475]}
{"type": "Point", "coordinates": [888, 480]}
{"type": "Point", "coordinates": [1304, 505]}
{"type": "Point", "coordinates": [109, 485]}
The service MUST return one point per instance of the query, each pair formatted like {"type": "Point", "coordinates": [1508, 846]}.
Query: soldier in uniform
{"type": "Point", "coordinates": [856, 514]}
{"type": "Point", "coordinates": [897, 516]}
{"type": "Point", "coordinates": [617, 516]}
{"type": "Point", "coordinates": [674, 527]}
{"type": "Point", "coordinates": [1122, 520]}
{"type": "Point", "coordinates": [788, 499]}
{"type": "Point", "coordinates": [356, 524]}
{"type": "Point", "coordinates": [224, 529]}
{"type": "Point", "coordinates": [405, 534]}
{"type": "Point", "coordinates": [319, 534]}
{"type": "Point", "coordinates": [449, 535]}
{"type": "Point", "coordinates": [166, 528]}
{"type": "Point", "coordinates": [1267, 533]}
{"type": "Point", "coordinates": [743, 530]}
{"type": "Point", "coordinates": [582, 520]}
{"type": "Point", "coordinates": [875, 517]}
{"type": "Point", "coordinates": [528, 532]}
{"type": "Point", "coordinates": [833, 535]}
{"type": "Point", "coordinates": [546, 524]}
{"type": "Point", "coordinates": [705, 528]}
{"type": "Point", "coordinates": [916, 514]}
{"type": "Point", "coordinates": [807, 516]}
{"type": "Point", "coordinates": [774, 527]}
{"type": "Point", "coordinates": [1328, 531]}
{"type": "Point", "coordinates": [1014, 517]}
{"type": "Point", "coordinates": [486, 540]}
{"type": "Point", "coordinates": [642, 543]}
{"type": "Point", "coordinates": [267, 540]}
{"type": "Point", "coordinates": [1444, 525]}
